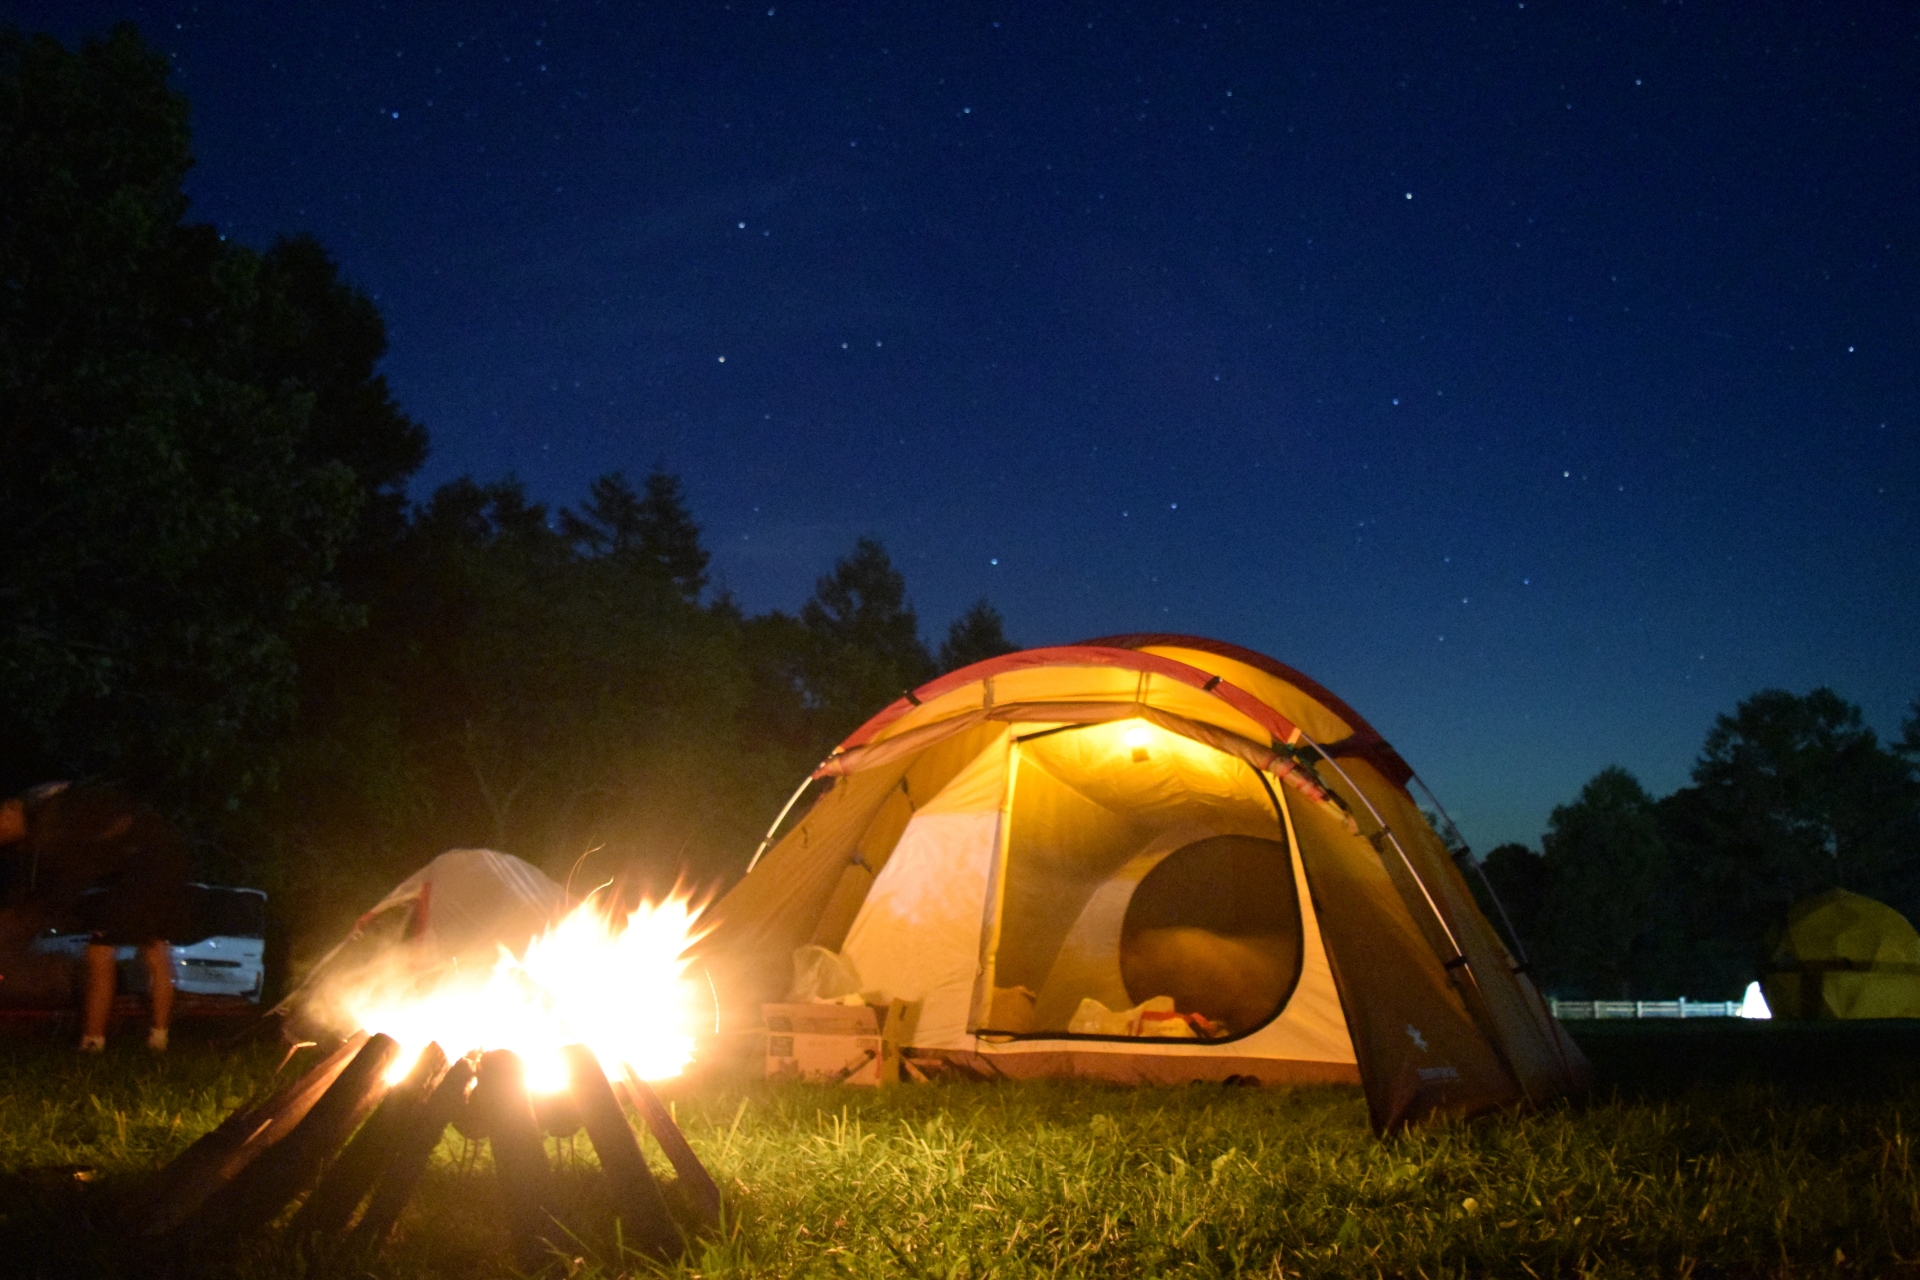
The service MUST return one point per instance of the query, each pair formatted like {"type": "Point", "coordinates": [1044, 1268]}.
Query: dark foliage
{"type": "Point", "coordinates": [854, 648]}
{"type": "Point", "coordinates": [194, 440]}
{"type": "Point", "coordinates": [213, 589]}
{"type": "Point", "coordinates": [1606, 882]}
{"type": "Point", "coordinates": [1636, 897]}
{"type": "Point", "coordinates": [655, 529]}
{"type": "Point", "coordinates": [976, 635]}
{"type": "Point", "coordinates": [1519, 878]}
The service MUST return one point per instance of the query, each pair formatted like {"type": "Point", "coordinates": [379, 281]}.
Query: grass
{"type": "Point", "coordinates": [1064, 1180]}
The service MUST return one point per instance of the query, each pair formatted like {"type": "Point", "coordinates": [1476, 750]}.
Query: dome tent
{"type": "Point", "coordinates": [1152, 859]}
{"type": "Point", "coordinates": [467, 902]}
{"type": "Point", "coordinates": [457, 910]}
{"type": "Point", "coordinates": [1842, 955]}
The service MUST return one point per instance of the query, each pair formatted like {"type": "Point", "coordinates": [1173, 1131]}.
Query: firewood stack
{"type": "Point", "coordinates": [355, 1148]}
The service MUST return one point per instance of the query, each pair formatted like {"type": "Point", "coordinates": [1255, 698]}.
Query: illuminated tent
{"type": "Point", "coordinates": [1154, 859]}
{"type": "Point", "coordinates": [1842, 955]}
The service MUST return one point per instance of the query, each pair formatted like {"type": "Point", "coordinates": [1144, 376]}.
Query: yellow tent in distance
{"type": "Point", "coordinates": [1842, 955]}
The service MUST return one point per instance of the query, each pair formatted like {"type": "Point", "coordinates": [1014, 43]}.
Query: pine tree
{"type": "Point", "coordinates": [976, 635]}
{"type": "Point", "coordinates": [654, 527]}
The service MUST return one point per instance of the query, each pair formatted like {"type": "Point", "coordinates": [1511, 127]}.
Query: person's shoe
{"type": "Point", "coordinates": [93, 1044]}
{"type": "Point", "coordinates": [157, 1039]}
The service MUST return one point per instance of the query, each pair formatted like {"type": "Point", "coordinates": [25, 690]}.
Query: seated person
{"type": "Point", "coordinates": [65, 840]}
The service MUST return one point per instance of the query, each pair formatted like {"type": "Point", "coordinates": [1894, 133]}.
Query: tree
{"type": "Point", "coordinates": [854, 647]}
{"type": "Point", "coordinates": [1606, 865]}
{"type": "Point", "coordinates": [1791, 795]}
{"type": "Point", "coordinates": [1519, 876]}
{"type": "Point", "coordinates": [863, 605]}
{"type": "Point", "coordinates": [656, 529]}
{"type": "Point", "coordinates": [193, 439]}
{"type": "Point", "coordinates": [975, 636]}
{"type": "Point", "coordinates": [319, 333]}
{"type": "Point", "coordinates": [863, 638]}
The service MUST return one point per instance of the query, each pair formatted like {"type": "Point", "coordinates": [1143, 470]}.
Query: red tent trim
{"type": "Point", "coordinates": [1366, 741]}
{"type": "Point", "coordinates": [1077, 655]}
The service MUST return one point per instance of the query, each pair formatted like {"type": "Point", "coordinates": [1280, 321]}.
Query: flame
{"type": "Point", "coordinates": [620, 988]}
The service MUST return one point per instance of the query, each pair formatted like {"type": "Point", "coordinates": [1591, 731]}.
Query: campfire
{"type": "Point", "coordinates": [548, 1041]}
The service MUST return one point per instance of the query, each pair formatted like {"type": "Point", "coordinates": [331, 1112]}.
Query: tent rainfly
{"type": "Point", "coordinates": [1150, 859]}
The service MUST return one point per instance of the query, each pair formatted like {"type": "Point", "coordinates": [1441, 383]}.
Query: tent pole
{"type": "Point", "coordinates": [785, 810]}
{"type": "Point", "coordinates": [1479, 870]}
{"type": "Point", "coordinates": [1439, 916]}
{"type": "Point", "coordinates": [1476, 1002]}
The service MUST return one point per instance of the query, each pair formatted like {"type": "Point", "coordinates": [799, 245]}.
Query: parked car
{"type": "Point", "coordinates": [220, 967]}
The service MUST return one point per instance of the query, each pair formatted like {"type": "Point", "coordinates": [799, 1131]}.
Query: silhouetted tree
{"type": "Point", "coordinates": [1606, 865]}
{"type": "Point", "coordinates": [1909, 744]}
{"type": "Point", "coordinates": [1519, 876]}
{"type": "Point", "coordinates": [322, 335]}
{"type": "Point", "coordinates": [854, 648]}
{"type": "Point", "coordinates": [655, 527]}
{"type": "Point", "coordinates": [193, 439]}
{"type": "Point", "coordinates": [976, 635]}
{"type": "Point", "coordinates": [863, 605]}
{"type": "Point", "coordinates": [863, 637]}
{"type": "Point", "coordinates": [1792, 795]}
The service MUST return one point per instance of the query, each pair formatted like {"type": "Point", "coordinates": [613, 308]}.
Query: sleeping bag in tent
{"type": "Point", "coordinates": [1154, 859]}
{"type": "Point", "coordinates": [1842, 955]}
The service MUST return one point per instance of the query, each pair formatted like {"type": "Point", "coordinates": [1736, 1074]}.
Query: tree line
{"type": "Point", "coordinates": [214, 589]}
{"type": "Point", "coordinates": [1633, 897]}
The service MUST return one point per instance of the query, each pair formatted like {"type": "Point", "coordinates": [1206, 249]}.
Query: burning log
{"type": "Point", "coordinates": [332, 1204]}
{"type": "Point", "coordinates": [341, 1131]}
{"type": "Point", "coordinates": [519, 1150]}
{"type": "Point", "coordinates": [636, 1196]}
{"type": "Point", "coordinates": [408, 1157]}
{"type": "Point", "coordinates": [697, 1184]}
{"type": "Point", "coordinates": [358, 1149]}
{"type": "Point", "coordinates": [291, 1165]}
{"type": "Point", "coordinates": [210, 1164]}
{"type": "Point", "coordinates": [558, 1114]}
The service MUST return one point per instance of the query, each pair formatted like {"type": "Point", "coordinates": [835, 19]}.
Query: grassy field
{"type": "Point", "coordinates": [1063, 1180]}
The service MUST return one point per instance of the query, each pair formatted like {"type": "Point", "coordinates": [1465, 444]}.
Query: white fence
{"type": "Point", "coordinates": [1578, 1010]}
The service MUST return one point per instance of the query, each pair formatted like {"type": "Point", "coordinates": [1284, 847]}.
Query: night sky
{"type": "Point", "coordinates": [1542, 378]}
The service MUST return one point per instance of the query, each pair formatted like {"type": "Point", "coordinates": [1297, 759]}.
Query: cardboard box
{"type": "Point", "coordinates": [848, 1044]}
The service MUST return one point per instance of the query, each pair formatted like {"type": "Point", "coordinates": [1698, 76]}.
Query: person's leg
{"type": "Point", "coordinates": [99, 998]}
{"type": "Point", "coordinates": [160, 983]}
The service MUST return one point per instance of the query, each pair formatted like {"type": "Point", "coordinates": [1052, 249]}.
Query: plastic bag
{"type": "Point", "coordinates": [820, 974]}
